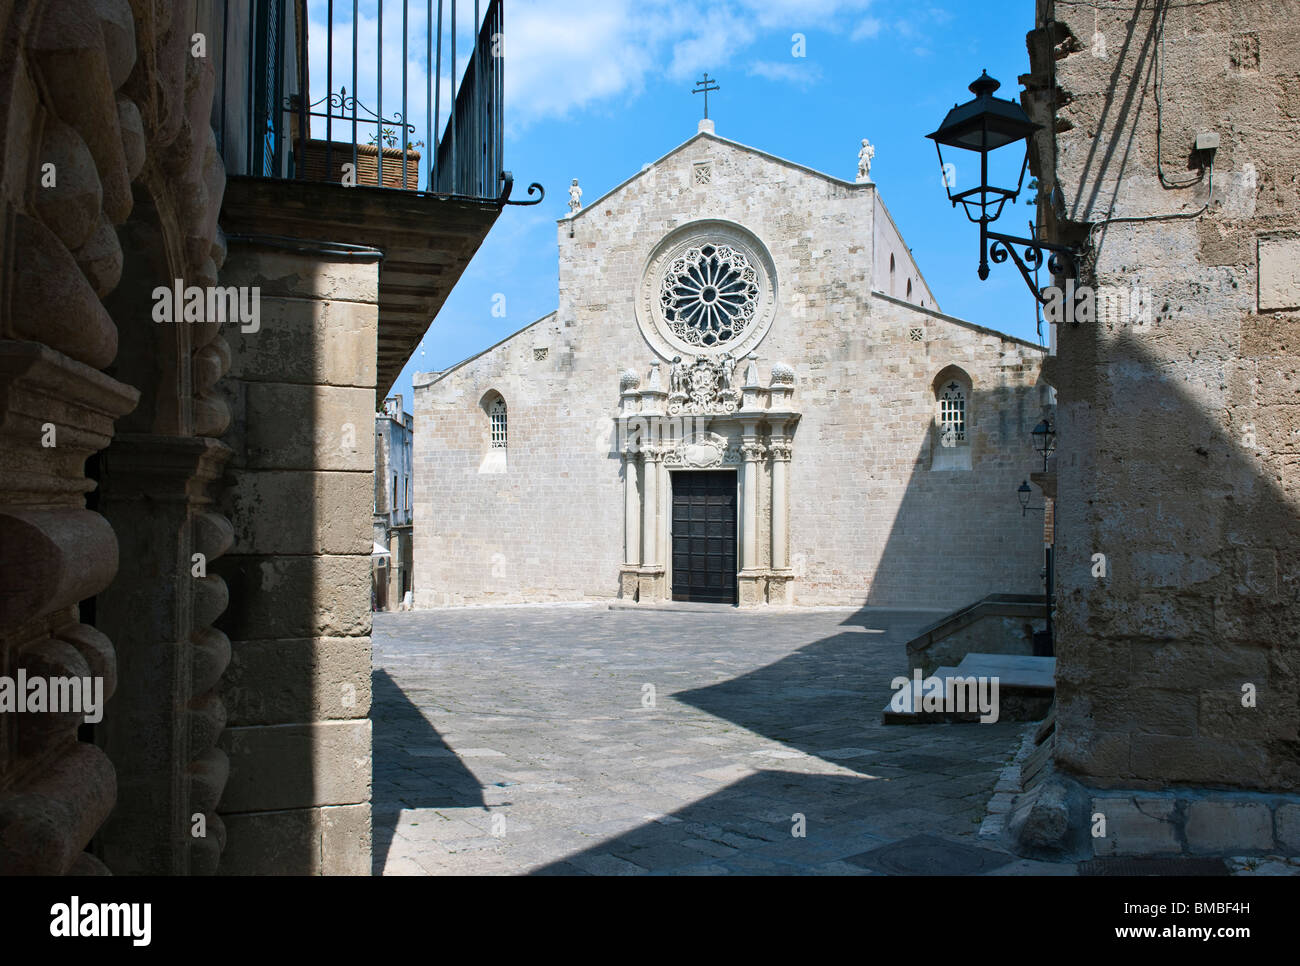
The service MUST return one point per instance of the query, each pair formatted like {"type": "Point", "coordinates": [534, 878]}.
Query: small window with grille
{"type": "Point", "coordinates": [952, 412]}
{"type": "Point", "coordinates": [497, 414]}
{"type": "Point", "coordinates": [951, 449]}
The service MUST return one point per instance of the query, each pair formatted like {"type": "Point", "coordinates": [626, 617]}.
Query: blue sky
{"type": "Point", "coordinates": [595, 90]}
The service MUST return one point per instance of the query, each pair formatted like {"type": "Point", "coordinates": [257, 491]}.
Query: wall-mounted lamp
{"type": "Point", "coordinates": [1023, 492]}
{"type": "Point", "coordinates": [1044, 440]}
{"type": "Point", "coordinates": [982, 125]}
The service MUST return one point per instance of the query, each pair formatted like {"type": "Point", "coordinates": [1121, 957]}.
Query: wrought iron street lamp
{"type": "Point", "coordinates": [1044, 641]}
{"type": "Point", "coordinates": [1044, 440]}
{"type": "Point", "coordinates": [1024, 491]}
{"type": "Point", "coordinates": [982, 125]}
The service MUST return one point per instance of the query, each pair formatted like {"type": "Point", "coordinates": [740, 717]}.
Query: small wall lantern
{"type": "Point", "coordinates": [1044, 440]}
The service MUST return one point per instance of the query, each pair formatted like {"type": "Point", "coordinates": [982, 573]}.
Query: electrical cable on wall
{"type": "Point", "coordinates": [1207, 171]}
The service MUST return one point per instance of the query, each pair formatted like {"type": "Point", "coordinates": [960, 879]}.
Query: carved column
{"type": "Point", "coordinates": [652, 570]}
{"type": "Point", "coordinates": [55, 791]}
{"type": "Point", "coordinates": [752, 583]}
{"type": "Point", "coordinates": [780, 589]}
{"type": "Point", "coordinates": [628, 579]}
{"type": "Point", "coordinates": [653, 406]}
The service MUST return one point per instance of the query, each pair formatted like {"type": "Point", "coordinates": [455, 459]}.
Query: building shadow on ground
{"type": "Point", "coordinates": [413, 767]}
{"type": "Point", "coordinates": [891, 783]}
{"type": "Point", "coordinates": [784, 823]}
{"type": "Point", "coordinates": [827, 695]}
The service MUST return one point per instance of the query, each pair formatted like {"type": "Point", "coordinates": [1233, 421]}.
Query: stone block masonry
{"type": "Point", "coordinates": [301, 485]}
{"type": "Point", "coordinates": [1178, 661]}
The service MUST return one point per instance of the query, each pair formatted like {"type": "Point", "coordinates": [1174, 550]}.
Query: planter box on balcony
{"type": "Point", "coordinates": [367, 173]}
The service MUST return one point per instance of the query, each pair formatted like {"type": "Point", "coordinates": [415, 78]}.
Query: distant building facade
{"type": "Point", "coordinates": [748, 395]}
{"type": "Point", "coordinates": [393, 577]}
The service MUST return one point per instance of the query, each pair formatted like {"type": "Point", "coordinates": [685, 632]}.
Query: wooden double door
{"type": "Point", "coordinates": [704, 536]}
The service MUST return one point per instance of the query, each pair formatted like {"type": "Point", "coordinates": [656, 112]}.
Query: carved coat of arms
{"type": "Point", "coordinates": [702, 450]}
{"type": "Point", "coordinates": [704, 387]}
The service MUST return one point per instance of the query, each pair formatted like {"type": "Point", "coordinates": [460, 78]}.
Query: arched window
{"type": "Point", "coordinates": [952, 433]}
{"type": "Point", "coordinates": [892, 291]}
{"type": "Point", "coordinates": [952, 411]}
{"type": "Point", "coordinates": [909, 290]}
{"type": "Point", "coordinates": [495, 435]}
{"type": "Point", "coordinates": [497, 415]}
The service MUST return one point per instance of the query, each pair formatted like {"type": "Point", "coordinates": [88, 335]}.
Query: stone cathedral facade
{"type": "Point", "coordinates": [747, 394]}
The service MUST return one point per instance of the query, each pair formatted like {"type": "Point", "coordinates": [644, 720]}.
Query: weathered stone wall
{"type": "Point", "coordinates": [1178, 433]}
{"type": "Point", "coordinates": [870, 521]}
{"type": "Point", "coordinates": [300, 498]}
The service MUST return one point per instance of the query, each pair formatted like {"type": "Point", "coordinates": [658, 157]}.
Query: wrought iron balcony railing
{"type": "Point", "coordinates": [298, 106]}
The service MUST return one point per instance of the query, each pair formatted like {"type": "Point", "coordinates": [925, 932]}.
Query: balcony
{"type": "Point", "coordinates": [342, 121]}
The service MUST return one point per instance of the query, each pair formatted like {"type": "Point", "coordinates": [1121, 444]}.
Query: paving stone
{"type": "Point", "coordinates": [606, 864]}
{"type": "Point", "coordinates": [533, 713]}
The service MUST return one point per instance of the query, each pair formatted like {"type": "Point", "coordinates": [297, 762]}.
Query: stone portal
{"type": "Point", "coordinates": [704, 422]}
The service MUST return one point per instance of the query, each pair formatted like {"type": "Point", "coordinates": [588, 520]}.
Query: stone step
{"type": "Point", "coordinates": [1012, 670]}
{"type": "Point", "coordinates": [1025, 689]}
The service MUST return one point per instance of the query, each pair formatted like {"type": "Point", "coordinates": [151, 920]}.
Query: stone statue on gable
{"type": "Point", "coordinates": [575, 197]}
{"type": "Point", "coordinates": [865, 155]}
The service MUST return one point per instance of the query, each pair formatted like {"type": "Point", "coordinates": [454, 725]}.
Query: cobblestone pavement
{"type": "Point", "coordinates": [580, 739]}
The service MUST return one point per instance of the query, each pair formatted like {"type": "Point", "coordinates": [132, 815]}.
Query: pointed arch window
{"type": "Point", "coordinates": [497, 417]}
{"type": "Point", "coordinates": [953, 414]}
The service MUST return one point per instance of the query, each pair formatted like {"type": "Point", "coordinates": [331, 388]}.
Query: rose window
{"type": "Point", "coordinates": [709, 294]}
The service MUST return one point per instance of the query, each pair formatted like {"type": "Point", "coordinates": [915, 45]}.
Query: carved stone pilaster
{"type": "Point", "coordinates": [54, 413]}
{"type": "Point", "coordinates": [631, 511]}
{"type": "Point", "coordinates": [156, 492]}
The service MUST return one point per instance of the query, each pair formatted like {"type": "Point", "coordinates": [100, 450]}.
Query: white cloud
{"type": "Point", "coordinates": [799, 73]}
{"type": "Point", "coordinates": [563, 56]}
{"type": "Point", "coordinates": [866, 29]}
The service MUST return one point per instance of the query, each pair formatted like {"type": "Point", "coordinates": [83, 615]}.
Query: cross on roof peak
{"type": "Point", "coordinates": [702, 87]}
